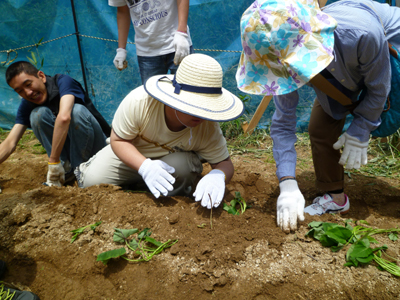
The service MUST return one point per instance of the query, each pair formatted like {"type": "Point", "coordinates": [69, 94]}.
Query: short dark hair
{"type": "Point", "coordinates": [18, 67]}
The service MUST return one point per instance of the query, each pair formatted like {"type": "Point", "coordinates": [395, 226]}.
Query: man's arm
{"type": "Point", "coordinates": [181, 38]}
{"type": "Point", "coordinates": [7, 147]}
{"type": "Point", "coordinates": [123, 22]}
{"type": "Point", "coordinates": [61, 127]}
{"type": "Point", "coordinates": [126, 151]}
{"type": "Point", "coordinates": [290, 203]}
{"type": "Point", "coordinates": [155, 173]}
{"type": "Point", "coordinates": [183, 13]}
{"type": "Point", "coordinates": [225, 166]}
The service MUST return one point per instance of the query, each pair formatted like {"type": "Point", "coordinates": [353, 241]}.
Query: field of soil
{"type": "Point", "coordinates": [240, 257]}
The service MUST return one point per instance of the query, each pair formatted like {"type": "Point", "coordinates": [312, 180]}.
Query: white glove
{"type": "Point", "coordinates": [354, 152]}
{"type": "Point", "coordinates": [290, 205]}
{"type": "Point", "coordinates": [120, 59]}
{"type": "Point", "coordinates": [182, 46]}
{"type": "Point", "coordinates": [55, 174]}
{"type": "Point", "coordinates": [157, 176]}
{"type": "Point", "coordinates": [212, 185]}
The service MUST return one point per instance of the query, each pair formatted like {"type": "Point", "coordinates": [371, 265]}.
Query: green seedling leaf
{"type": "Point", "coordinates": [121, 235]}
{"type": "Point", "coordinates": [316, 233]}
{"type": "Point", "coordinates": [94, 226]}
{"type": "Point", "coordinates": [231, 209]}
{"type": "Point", "coordinates": [327, 226]}
{"type": "Point", "coordinates": [348, 226]}
{"type": "Point", "coordinates": [145, 232]}
{"type": "Point", "coordinates": [133, 244]}
{"type": "Point", "coordinates": [337, 248]}
{"type": "Point", "coordinates": [80, 230]}
{"type": "Point", "coordinates": [349, 264]}
{"type": "Point", "coordinates": [363, 222]}
{"type": "Point", "coordinates": [372, 240]}
{"type": "Point", "coordinates": [315, 224]}
{"type": "Point", "coordinates": [339, 234]}
{"type": "Point", "coordinates": [106, 256]}
{"type": "Point", "coordinates": [153, 241]}
{"type": "Point", "coordinates": [239, 199]}
{"type": "Point", "coordinates": [357, 251]}
{"type": "Point", "coordinates": [336, 237]}
{"type": "Point", "coordinates": [393, 236]}
{"type": "Point", "coordinates": [366, 260]}
{"type": "Point", "coordinates": [326, 241]}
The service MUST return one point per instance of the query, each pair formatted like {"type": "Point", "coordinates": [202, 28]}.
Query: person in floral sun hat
{"type": "Point", "coordinates": [287, 44]}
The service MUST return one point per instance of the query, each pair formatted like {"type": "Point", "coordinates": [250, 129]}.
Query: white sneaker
{"type": "Point", "coordinates": [325, 204]}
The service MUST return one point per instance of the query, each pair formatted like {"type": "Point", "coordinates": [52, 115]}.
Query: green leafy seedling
{"type": "Point", "coordinates": [360, 252]}
{"type": "Point", "coordinates": [393, 236]}
{"type": "Point", "coordinates": [106, 256]}
{"type": "Point", "coordinates": [231, 209]}
{"type": "Point", "coordinates": [144, 246]}
{"type": "Point", "coordinates": [79, 231]}
{"type": "Point", "coordinates": [122, 235]}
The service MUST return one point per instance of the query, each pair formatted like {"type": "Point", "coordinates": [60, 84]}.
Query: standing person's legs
{"type": "Point", "coordinates": [324, 132]}
{"type": "Point", "coordinates": [85, 136]}
{"type": "Point", "coordinates": [151, 66]}
{"type": "Point", "coordinates": [157, 65]}
{"type": "Point", "coordinates": [106, 167]}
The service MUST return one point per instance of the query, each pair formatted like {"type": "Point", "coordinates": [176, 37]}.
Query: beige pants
{"type": "Point", "coordinates": [106, 167]}
{"type": "Point", "coordinates": [324, 132]}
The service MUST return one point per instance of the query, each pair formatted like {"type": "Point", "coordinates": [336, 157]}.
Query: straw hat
{"type": "Point", "coordinates": [197, 90]}
{"type": "Point", "coordinates": [285, 44]}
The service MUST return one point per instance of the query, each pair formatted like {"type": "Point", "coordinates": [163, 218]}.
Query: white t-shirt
{"type": "Point", "coordinates": [139, 114]}
{"type": "Point", "coordinates": [155, 23]}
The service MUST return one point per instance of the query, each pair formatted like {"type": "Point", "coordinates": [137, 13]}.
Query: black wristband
{"type": "Point", "coordinates": [290, 178]}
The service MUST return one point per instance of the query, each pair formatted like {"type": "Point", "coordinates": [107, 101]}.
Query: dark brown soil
{"type": "Point", "coordinates": [240, 257]}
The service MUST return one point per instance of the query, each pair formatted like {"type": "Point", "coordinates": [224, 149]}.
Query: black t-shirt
{"type": "Point", "coordinates": [66, 85]}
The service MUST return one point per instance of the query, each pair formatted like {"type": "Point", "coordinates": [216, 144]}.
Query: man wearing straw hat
{"type": "Point", "coordinates": [288, 44]}
{"type": "Point", "coordinates": [161, 128]}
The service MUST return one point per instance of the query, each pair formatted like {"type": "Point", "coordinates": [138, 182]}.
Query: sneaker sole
{"type": "Point", "coordinates": [337, 212]}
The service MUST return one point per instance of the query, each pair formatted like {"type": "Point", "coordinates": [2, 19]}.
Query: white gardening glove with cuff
{"type": "Point", "coordinates": [290, 205]}
{"type": "Point", "coordinates": [182, 46]}
{"type": "Point", "coordinates": [120, 59]}
{"type": "Point", "coordinates": [55, 174]}
{"type": "Point", "coordinates": [157, 176]}
{"type": "Point", "coordinates": [211, 186]}
{"type": "Point", "coordinates": [354, 153]}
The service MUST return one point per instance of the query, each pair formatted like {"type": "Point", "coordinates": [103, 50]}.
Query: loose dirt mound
{"type": "Point", "coordinates": [240, 257]}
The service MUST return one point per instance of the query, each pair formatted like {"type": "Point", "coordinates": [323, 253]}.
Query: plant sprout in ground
{"type": "Point", "coordinates": [336, 237]}
{"type": "Point", "coordinates": [145, 246]}
{"type": "Point", "coordinates": [78, 231]}
{"type": "Point", "coordinates": [232, 208]}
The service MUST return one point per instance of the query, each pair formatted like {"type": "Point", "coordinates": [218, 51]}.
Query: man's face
{"type": "Point", "coordinates": [30, 88]}
{"type": "Point", "coordinates": [188, 120]}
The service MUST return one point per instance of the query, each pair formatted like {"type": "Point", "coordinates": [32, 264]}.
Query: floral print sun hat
{"type": "Point", "coordinates": [285, 44]}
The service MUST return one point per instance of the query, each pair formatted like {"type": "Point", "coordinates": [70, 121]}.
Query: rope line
{"type": "Point", "coordinates": [98, 38]}
{"type": "Point", "coordinates": [34, 45]}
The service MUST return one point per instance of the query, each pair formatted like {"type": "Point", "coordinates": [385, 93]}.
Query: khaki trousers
{"type": "Point", "coordinates": [324, 132]}
{"type": "Point", "coordinates": [106, 167]}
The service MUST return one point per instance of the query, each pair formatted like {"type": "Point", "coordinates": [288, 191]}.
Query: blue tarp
{"type": "Point", "coordinates": [214, 26]}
